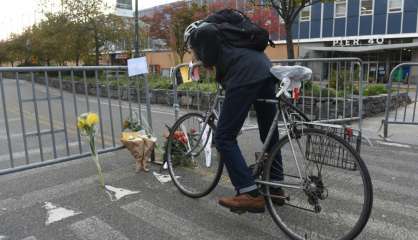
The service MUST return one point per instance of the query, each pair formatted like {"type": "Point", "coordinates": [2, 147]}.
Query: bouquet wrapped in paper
{"type": "Point", "coordinates": [138, 143]}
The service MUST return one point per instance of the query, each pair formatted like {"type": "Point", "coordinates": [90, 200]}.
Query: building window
{"type": "Point", "coordinates": [340, 8]}
{"type": "Point", "coordinates": [305, 14]}
{"type": "Point", "coordinates": [366, 7]}
{"type": "Point", "coordinates": [395, 5]}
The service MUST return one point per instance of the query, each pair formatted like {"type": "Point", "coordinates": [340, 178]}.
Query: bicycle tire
{"type": "Point", "coordinates": [292, 220]}
{"type": "Point", "coordinates": [189, 179]}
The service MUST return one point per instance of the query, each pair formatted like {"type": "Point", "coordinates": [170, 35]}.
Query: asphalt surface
{"type": "Point", "coordinates": [159, 210]}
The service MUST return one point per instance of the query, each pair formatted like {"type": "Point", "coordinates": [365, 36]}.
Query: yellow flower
{"type": "Point", "coordinates": [81, 123]}
{"type": "Point", "coordinates": [92, 119]}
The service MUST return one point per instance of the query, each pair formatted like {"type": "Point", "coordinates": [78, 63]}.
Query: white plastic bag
{"type": "Point", "coordinates": [291, 77]}
{"type": "Point", "coordinates": [294, 73]}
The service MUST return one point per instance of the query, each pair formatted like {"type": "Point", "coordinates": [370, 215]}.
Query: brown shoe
{"type": "Point", "coordinates": [244, 203]}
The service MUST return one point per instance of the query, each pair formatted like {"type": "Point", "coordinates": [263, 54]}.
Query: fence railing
{"type": "Point", "coordinates": [334, 94]}
{"type": "Point", "coordinates": [399, 98]}
{"type": "Point", "coordinates": [40, 106]}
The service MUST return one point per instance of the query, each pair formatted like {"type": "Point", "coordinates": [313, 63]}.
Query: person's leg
{"type": "Point", "coordinates": [234, 111]}
{"type": "Point", "coordinates": [265, 116]}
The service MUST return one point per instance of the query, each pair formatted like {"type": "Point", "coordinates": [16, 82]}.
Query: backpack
{"type": "Point", "coordinates": [238, 30]}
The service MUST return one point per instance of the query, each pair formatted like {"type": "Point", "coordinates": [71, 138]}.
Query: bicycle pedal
{"type": "Point", "coordinates": [286, 198]}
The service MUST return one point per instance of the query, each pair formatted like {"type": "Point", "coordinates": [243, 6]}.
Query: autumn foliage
{"type": "Point", "coordinates": [170, 22]}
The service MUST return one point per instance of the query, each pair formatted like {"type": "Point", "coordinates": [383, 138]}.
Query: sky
{"type": "Point", "coordinates": [15, 15]}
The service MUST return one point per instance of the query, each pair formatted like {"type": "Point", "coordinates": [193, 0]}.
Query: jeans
{"type": "Point", "coordinates": [233, 114]}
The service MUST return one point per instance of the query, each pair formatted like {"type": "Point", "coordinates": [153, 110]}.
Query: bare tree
{"type": "Point", "coordinates": [288, 11]}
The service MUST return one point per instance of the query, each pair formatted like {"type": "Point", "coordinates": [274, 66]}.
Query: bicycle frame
{"type": "Point", "coordinates": [208, 115]}
{"type": "Point", "coordinates": [213, 113]}
{"type": "Point", "coordinates": [285, 115]}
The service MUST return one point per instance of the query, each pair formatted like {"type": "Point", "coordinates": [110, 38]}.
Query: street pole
{"type": "Point", "coordinates": [146, 87]}
{"type": "Point", "coordinates": [136, 30]}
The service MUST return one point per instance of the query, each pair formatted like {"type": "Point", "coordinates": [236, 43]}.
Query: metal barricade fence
{"type": "Point", "coordinates": [40, 106]}
{"type": "Point", "coordinates": [334, 94]}
{"type": "Point", "coordinates": [399, 107]}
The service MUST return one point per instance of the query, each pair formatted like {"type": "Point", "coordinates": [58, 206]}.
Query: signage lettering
{"type": "Point", "coordinates": [356, 42]}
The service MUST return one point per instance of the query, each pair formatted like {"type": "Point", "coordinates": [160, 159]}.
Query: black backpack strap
{"type": "Point", "coordinates": [272, 44]}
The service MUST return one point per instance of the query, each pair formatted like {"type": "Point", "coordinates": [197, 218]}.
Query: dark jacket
{"type": "Point", "coordinates": [235, 67]}
{"type": "Point", "coordinates": [241, 66]}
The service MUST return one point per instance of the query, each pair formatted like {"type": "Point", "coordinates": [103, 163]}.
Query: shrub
{"type": "Point", "coordinates": [198, 87]}
{"type": "Point", "coordinates": [344, 79]}
{"type": "Point", "coordinates": [159, 82]}
{"type": "Point", "coordinates": [375, 89]}
{"type": "Point", "coordinates": [314, 89]}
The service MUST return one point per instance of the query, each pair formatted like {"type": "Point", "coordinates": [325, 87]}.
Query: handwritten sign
{"type": "Point", "coordinates": [137, 66]}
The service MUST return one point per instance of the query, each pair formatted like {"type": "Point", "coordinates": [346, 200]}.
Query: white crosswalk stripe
{"type": "Point", "coordinates": [169, 222]}
{"type": "Point", "coordinates": [30, 238]}
{"type": "Point", "coordinates": [385, 223]}
{"type": "Point", "coordinates": [54, 192]}
{"type": "Point", "coordinates": [93, 229]}
{"type": "Point", "coordinates": [385, 229]}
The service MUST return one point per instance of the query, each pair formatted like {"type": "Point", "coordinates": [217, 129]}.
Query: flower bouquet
{"type": "Point", "coordinates": [138, 142]}
{"type": "Point", "coordinates": [181, 144]}
{"type": "Point", "coordinates": [87, 123]}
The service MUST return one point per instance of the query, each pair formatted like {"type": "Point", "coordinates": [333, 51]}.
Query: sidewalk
{"type": "Point", "coordinates": [398, 133]}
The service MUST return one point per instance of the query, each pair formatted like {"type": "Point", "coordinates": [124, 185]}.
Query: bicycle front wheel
{"type": "Point", "coordinates": [329, 190]}
{"type": "Point", "coordinates": [192, 159]}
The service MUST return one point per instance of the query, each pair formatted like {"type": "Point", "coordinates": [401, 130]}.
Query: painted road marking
{"type": "Point", "coordinates": [169, 222]}
{"type": "Point", "coordinates": [29, 238]}
{"type": "Point", "coordinates": [61, 190]}
{"type": "Point", "coordinates": [393, 144]}
{"type": "Point", "coordinates": [116, 194]}
{"type": "Point", "coordinates": [56, 213]}
{"type": "Point", "coordinates": [381, 228]}
{"type": "Point", "coordinates": [93, 228]}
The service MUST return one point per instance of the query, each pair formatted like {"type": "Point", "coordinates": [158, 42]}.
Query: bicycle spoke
{"type": "Point", "coordinates": [335, 200]}
{"type": "Point", "coordinates": [187, 158]}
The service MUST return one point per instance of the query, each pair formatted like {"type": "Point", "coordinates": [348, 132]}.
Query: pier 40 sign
{"type": "Point", "coordinates": [357, 42]}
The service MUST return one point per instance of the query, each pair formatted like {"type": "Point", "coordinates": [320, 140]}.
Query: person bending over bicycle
{"type": "Point", "coordinates": [245, 76]}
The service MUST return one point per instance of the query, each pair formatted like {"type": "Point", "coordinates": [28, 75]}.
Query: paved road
{"type": "Point", "coordinates": [159, 211]}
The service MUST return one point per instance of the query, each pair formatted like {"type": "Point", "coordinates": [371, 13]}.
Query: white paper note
{"type": "Point", "coordinates": [137, 66]}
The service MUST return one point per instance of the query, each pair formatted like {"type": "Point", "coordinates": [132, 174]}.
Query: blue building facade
{"type": "Point", "coordinates": [382, 33]}
{"type": "Point", "coordinates": [348, 18]}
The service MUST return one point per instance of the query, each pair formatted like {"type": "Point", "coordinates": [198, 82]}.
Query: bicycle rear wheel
{"type": "Point", "coordinates": [192, 159]}
{"type": "Point", "coordinates": [335, 197]}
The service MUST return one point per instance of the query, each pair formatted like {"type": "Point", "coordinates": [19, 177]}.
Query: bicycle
{"type": "Point", "coordinates": [324, 176]}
